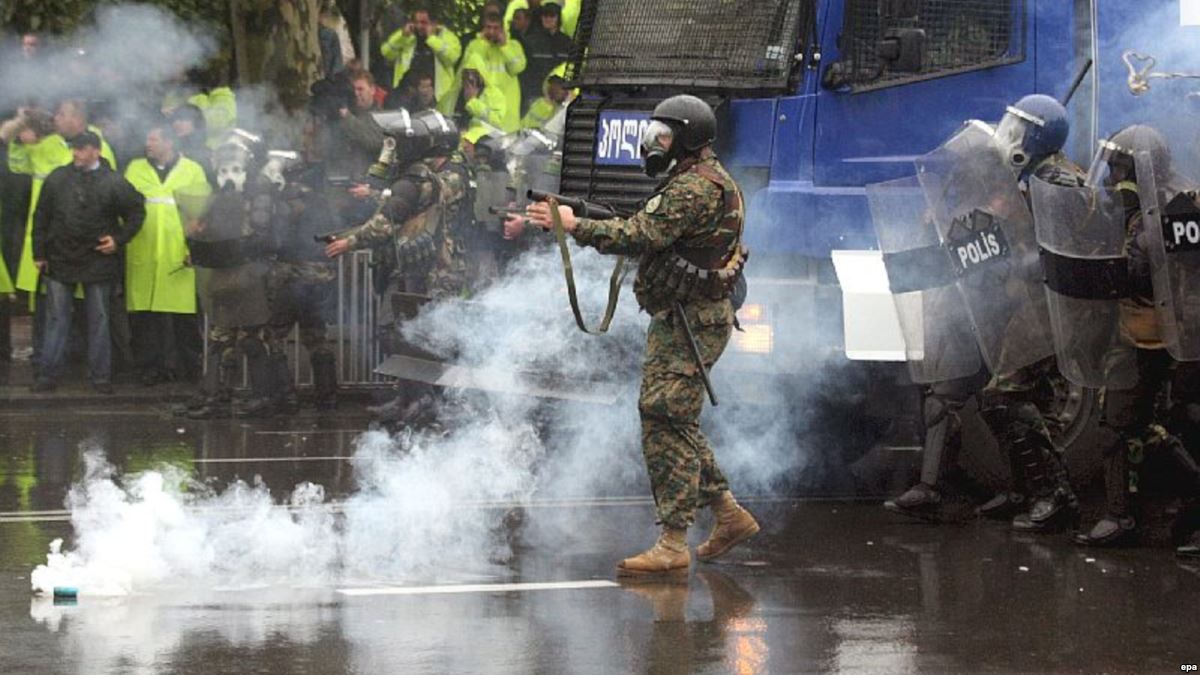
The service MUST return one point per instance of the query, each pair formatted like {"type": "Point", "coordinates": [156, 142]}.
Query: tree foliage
{"type": "Point", "coordinates": [64, 16]}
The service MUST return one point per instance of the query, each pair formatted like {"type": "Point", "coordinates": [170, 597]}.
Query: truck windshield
{"type": "Point", "coordinates": [718, 44]}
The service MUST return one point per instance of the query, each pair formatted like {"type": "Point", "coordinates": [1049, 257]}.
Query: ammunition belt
{"type": "Point", "coordinates": [415, 252]}
{"type": "Point", "coordinates": [675, 278]}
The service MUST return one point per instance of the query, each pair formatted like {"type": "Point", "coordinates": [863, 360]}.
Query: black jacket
{"type": "Point", "coordinates": [543, 53]}
{"type": "Point", "coordinates": [75, 209]}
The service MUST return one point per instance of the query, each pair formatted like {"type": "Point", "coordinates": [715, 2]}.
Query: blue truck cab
{"type": "Point", "coordinates": [817, 99]}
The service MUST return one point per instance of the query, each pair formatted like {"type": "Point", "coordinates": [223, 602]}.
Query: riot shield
{"type": "Point", "coordinates": [939, 344]}
{"type": "Point", "coordinates": [231, 283]}
{"type": "Point", "coordinates": [987, 229]}
{"type": "Point", "coordinates": [1171, 218]}
{"type": "Point", "coordinates": [1081, 232]}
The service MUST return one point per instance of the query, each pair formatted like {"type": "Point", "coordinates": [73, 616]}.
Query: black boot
{"type": "Point", "coordinates": [325, 381]}
{"type": "Point", "coordinates": [1110, 531]}
{"type": "Point", "coordinates": [1002, 506]}
{"type": "Point", "coordinates": [920, 501]}
{"type": "Point", "coordinates": [283, 384]}
{"type": "Point", "coordinates": [215, 398]}
{"type": "Point", "coordinates": [262, 400]}
{"type": "Point", "coordinates": [1056, 513]}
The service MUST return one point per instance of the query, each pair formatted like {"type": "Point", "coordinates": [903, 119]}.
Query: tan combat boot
{"type": "Point", "coordinates": [734, 525]}
{"type": "Point", "coordinates": [669, 555]}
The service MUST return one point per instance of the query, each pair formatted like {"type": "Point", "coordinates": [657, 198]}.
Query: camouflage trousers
{"type": "Point", "coordinates": [226, 346]}
{"type": "Point", "coordinates": [1149, 420]}
{"type": "Point", "coordinates": [684, 475]}
{"type": "Point", "coordinates": [1012, 408]}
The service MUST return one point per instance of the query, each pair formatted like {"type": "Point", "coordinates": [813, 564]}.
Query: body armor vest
{"type": "Point", "coordinates": [710, 266]}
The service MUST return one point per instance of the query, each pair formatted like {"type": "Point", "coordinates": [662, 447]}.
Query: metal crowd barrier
{"type": "Point", "coordinates": [353, 334]}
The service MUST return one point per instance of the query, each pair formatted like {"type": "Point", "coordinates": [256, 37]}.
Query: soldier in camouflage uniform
{"type": "Point", "coordinates": [422, 215]}
{"type": "Point", "coordinates": [301, 283]}
{"type": "Point", "coordinates": [1040, 497]}
{"type": "Point", "coordinates": [689, 238]}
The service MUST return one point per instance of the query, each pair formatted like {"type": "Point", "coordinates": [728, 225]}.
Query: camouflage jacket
{"type": "Point", "coordinates": [688, 213]}
{"type": "Point", "coordinates": [1057, 169]}
{"type": "Point", "coordinates": [422, 218]}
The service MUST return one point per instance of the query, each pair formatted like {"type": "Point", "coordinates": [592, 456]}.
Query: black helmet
{"type": "Point", "coordinates": [428, 133]}
{"type": "Point", "coordinates": [697, 125]}
{"type": "Point", "coordinates": [1138, 138]}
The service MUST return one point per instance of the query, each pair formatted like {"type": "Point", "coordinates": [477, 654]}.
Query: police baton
{"type": "Point", "coordinates": [695, 349]}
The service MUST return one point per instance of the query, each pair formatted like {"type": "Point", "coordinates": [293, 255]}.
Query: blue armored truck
{"type": "Point", "coordinates": [818, 99]}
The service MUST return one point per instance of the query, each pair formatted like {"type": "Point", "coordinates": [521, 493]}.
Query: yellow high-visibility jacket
{"type": "Point", "coordinates": [400, 48]}
{"type": "Point", "coordinates": [156, 279]}
{"type": "Point", "coordinates": [500, 67]}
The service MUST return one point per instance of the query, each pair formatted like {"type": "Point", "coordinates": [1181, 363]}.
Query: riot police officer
{"type": "Point", "coordinates": [689, 238]}
{"type": "Point", "coordinates": [969, 184]}
{"type": "Point", "coordinates": [422, 215]}
{"type": "Point", "coordinates": [1139, 169]}
{"type": "Point", "coordinates": [230, 245]}
{"type": "Point", "coordinates": [302, 279]}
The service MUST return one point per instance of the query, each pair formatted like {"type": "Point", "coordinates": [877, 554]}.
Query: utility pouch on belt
{"type": "Point", "coordinates": [710, 269]}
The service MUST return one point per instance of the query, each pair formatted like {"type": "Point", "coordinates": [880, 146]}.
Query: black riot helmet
{"type": "Point", "coordinates": [1124, 145]}
{"type": "Point", "coordinates": [697, 125]}
{"type": "Point", "coordinates": [687, 121]}
{"type": "Point", "coordinates": [409, 138]}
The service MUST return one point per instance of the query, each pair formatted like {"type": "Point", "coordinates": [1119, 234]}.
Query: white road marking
{"type": "Point", "coordinates": [477, 588]}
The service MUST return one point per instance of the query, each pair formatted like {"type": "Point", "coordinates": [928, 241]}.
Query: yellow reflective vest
{"type": "Point", "coordinates": [45, 156]}
{"type": "Point", "coordinates": [500, 67]}
{"type": "Point", "coordinates": [220, 113]}
{"type": "Point", "coordinates": [446, 47]}
{"type": "Point", "coordinates": [156, 279]}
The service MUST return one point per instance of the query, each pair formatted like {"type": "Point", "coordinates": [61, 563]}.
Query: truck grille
{"type": "Point", "coordinates": [621, 187]}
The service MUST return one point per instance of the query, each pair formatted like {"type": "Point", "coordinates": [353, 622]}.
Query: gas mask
{"type": "Point", "coordinates": [279, 162]}
{"type": "Point", "coordinates": [658, 157]}
{"type": "Point", "coordinates": [231, 164]}
{"type": "Point", "coordinates": [382, 168]}
{"type": "Point", "coordinates": [1011, 135]}
{"type": "Point", "coordinates": [232, 160]}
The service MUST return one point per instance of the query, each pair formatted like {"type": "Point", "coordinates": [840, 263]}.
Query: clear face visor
{"type": "Point", "coordinates": [1110, 165]}
{"type": "Point", "coordinates": [1010, 135]}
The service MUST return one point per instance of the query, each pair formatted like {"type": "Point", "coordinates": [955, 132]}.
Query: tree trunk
{"type": "Point", "coordinates": [276, 45]}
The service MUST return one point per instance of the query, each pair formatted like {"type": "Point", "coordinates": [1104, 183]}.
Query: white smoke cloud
{"type": "Point", "coordinates": [432, 504]}
{"type": "Point", "coordinates": [128, 52]}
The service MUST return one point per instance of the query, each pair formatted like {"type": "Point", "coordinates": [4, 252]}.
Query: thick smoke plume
{"type": "Point", "coordinates": [128, 52]}
{"type": "Point", "coordinates": [430, 504]}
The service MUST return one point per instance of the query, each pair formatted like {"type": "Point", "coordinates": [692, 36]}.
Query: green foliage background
{"type": "Point", "coordinates": [63, 16]}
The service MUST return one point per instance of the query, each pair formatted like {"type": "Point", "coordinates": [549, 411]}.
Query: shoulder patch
{"type": "Point", "coordinates": [654, 203]}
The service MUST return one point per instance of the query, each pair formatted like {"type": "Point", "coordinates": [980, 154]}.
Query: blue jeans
{"type": "Point", "coordinates": [59, 307]}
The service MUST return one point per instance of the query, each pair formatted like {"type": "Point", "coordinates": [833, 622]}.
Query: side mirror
{"type": "Point", "coordinates": [902, 50]}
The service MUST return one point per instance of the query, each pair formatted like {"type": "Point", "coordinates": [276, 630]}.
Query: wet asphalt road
{"type": "Point", "coordinates": [836, 587]}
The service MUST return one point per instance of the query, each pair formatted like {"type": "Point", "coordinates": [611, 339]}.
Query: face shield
{"type": "Point", "coordinates": [657, 144]}
{"type": "Point", "coordinates": [1111, 165]}
{"type": "Point", "coordinates": [1011, 134]}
